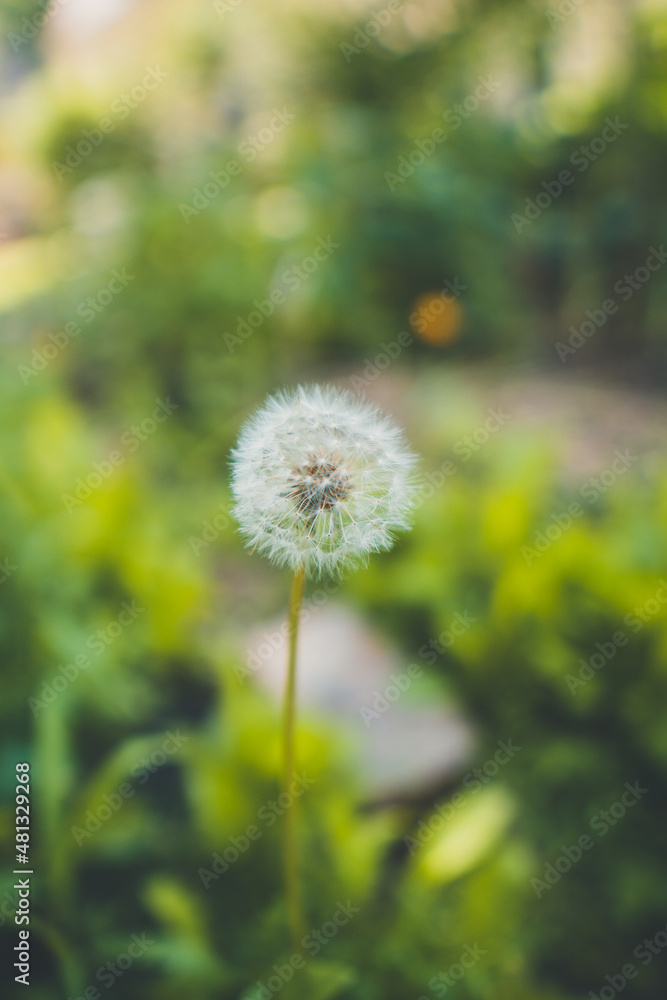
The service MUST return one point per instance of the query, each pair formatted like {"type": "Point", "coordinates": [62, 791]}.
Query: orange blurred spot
{"type": "Point", "coordinates": [437, 318]}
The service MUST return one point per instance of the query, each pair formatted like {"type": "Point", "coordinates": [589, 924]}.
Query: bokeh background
{"type": "Point", "coordinates": [449, 206]}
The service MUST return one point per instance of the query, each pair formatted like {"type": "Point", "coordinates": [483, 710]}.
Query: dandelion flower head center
{"type": "Point", "coordinates": [319, 485]}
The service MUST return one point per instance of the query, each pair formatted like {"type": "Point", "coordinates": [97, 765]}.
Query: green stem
{"type": "Point", "coordinates": [292, 881]}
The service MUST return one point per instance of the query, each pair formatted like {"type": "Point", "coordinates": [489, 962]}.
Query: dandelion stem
{"type": "Point", "coordinates": [292, 881]}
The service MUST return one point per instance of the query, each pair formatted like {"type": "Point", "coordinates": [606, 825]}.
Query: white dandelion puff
{"type": "Point", "coordinates": [321, 479]}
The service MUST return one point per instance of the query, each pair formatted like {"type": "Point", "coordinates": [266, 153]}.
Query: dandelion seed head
{"type": "Point", "coordinates": [321, 479]}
